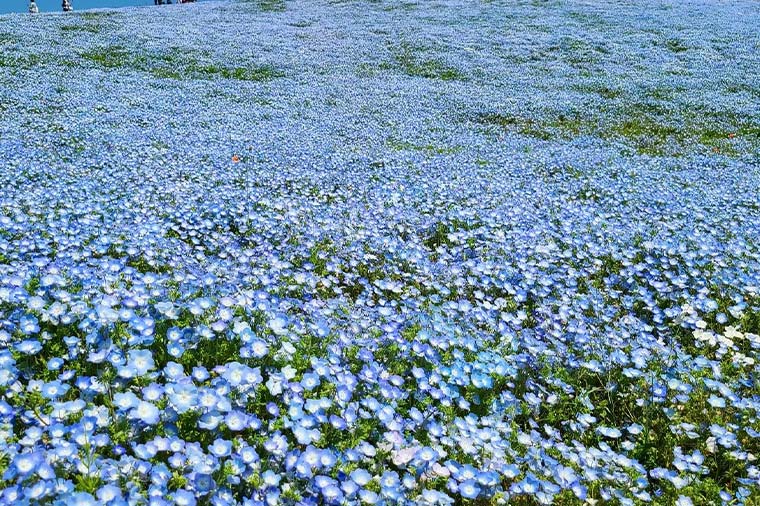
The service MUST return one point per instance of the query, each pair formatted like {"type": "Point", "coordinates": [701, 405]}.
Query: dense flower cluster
{"type": "Point", "coordinates": [312, 252]}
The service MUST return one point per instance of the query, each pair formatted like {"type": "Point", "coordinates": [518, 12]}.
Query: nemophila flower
{"type": "Point", "coordinates": [368, 497]}
{"type": "Point", "coordinates": [446, 294]}
{"type": "Point", "coordinates": [221, 448]}
{"type": "Point", "coordinates": [609, 432]}
{"type": "Point", "coordinates": [361, 477]}
{"type": "Point", "coordinates": [183, 397]}
{"type": "Point", "coordinates": [310, 381]}
{"type": "Point", "coordinates": [274, 384]}
{"type": "Point", "coordinates": [146, 412]}
{"type": "Point", "coordinates": [29, 347]}
{"type": "Point", "coordinates": [259, 348]}
{"type": "Point", "coordinates": [184, 498]}
{"type": "Point", "coordinates": [565, 476]}
{"type": "Point", "coordinates": [270, 478]}
{"type": "Point", "coordinates": [27, 463]}
{"type": "Point", "coordinates": [279, 324]}
{"type": "Point", "coordinates": [236, 421]}
{"type": "Point", "coordinates": [435, 497]}
{"type": "Point", "coordinates": [54, 364]}
{"type": "Point", "coordinates": [82, 499]}
{"type": "Point", "coordinates": [54, 389]}
{"type": "Point", "coordinates": [210, 420]}
{"type": "Point", "coordinates": [141, 361]}
{"type": "Point", "coordinates": [126, 400]}
{"type": "Point", "coordinates": [109, 493]}
{"type": "Point", "coordinates": [203, 483]}
{"type": "Point", "coordinates": [29, 324]}
{"type": "Point", "coordinates": [153, 392]}
{"type": "Point", "coordinates": [469, 489]}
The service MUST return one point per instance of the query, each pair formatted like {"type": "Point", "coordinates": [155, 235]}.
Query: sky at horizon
{"type": "Point", "coordinates": [9, 6]}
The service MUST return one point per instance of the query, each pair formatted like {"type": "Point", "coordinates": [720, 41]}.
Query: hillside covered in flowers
{"type": "Point", "coordinates": [388, 252]}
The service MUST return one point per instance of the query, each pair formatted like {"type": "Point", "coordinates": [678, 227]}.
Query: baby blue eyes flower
{"type": "Point", "coordinates": [200, 374]}
{"type": "Point", "coordinates": [125, 401]}
{"type": "Point", "coordinates": [184, 498]}
{"type": "Point", "coordinates": [210, 420]}
{"type": "Point", "coordinates": [361, 477]}
{"type": "Point", "coordinates": [27, 463]}
{"type": "Point", "coordinates": [54, 364]}
{"type": "Point", "coordinates": [279, 325]}
{"type": "Point", "coordinates": [684, 501]}
{"type": "Point", "coordinates": [469, 489]}
{"type": "Point", "coordinates": [29, 347]}
{"type": "Point", "coordinates": [270, 478]}
{"type": "Point", "coordinates": [153, 392]}
{"type": "Point", "coordinates": [332, 494]}
{"type": "Point", "coordinates": [565, 476]}
{"type": "Point", "coordinates": [259, 348]}
{"type": "Point", "coordinates": [310, 381]}
{"type": "Point", "coordinates": [29, 324]}
{"type": "Point", "coordinates": [609, 432]}
{"type": "Point", "coordinates": [146, 413]}
{"type": "Point", "coordinates": [204, 483]}
{"type": "Point", "coordinates": [82, 499]}
{"type": "Point", "coordinates": [716, 402]}
{"type": "Point", "coordinates": [108, 493]}
{"type": "Point", "coordinates": [368, 497]}
{"type": "Point", "coordinates": [478, 295]}
{"type": "Point", "coordinates": [236, 421]}
{"type": "Point", "coordinates": [141, 361]}
{"type": "Point", "coordinates": [427, 454]}
{"type": "Point", "coordinates": [183, 398]}
{"type": "Point", "coordinates": [174, 370]}
{"type": "Point", "coordinates": [511, 471]}
{"type": "Point", "coordinates": [54, 389]}
{"type": "Point", "coordinates": [221, 448]}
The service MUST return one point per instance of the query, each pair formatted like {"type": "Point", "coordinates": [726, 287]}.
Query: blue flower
{"type": "Point", "coordinates": [146, 412]}
{"type": "Point", "coordinates": [203, 483]}
{"type": "Point", "coordinates": [82, 499]}
{"type": "Point", "coordinates": [183, 397]}
{"type": "Point", "coordinates": [141, 361]}
{"type": "Point", "coordinates": [184, 498]}
{"type": "Point", "coordinates": [221, 448]}
{"type": "Point", "coordinates": [361, 477]}
{"type": "Point", "coordinates": [27, 463]}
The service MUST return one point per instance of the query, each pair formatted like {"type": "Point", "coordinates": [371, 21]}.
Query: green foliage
{"type": "Point", "coordinates": [20, 62]}
{"type": "Point", "coordinates": [86, 28]}
{"type": "Point", "coordinates": [113, 56]}
{"type": "Point", "coordinates": [439, 236]}
{"type": "Point", "coordinates": [269, 5]}
{"type": "Point", "coordinates": [211, 71]}
{"type": "Point", "coordinates": [676, 45]}
{"type": "Point", "coordinates": [145, 265]}
{"type": "Point", "coordinates": [559, 127]}
{"type": "Point", "coordinates": [319, 254]}
{"type": "Point", "coordinates": [428, 149]}
{"type": "Point", "coordinates": [605, 91]}
{"type": "Point", "coordinates": [176, 63]}
{"type": "Point", "coordinates": [88, 483]}
{"type": "Point", "coordinates": [211, 352]}
{"type": "Point", "coordinates": [647, 127]}
{"type": "Point", "coordinates": [411, 61]}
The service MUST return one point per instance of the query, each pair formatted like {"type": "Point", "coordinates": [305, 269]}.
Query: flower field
{"type": "Point", "coordinates": [385, 252]}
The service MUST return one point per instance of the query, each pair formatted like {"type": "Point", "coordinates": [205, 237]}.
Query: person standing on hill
{"type": "Point", "coordinates": [66, 5]}
{"type": "Point", "coordinates": [33, 9]}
